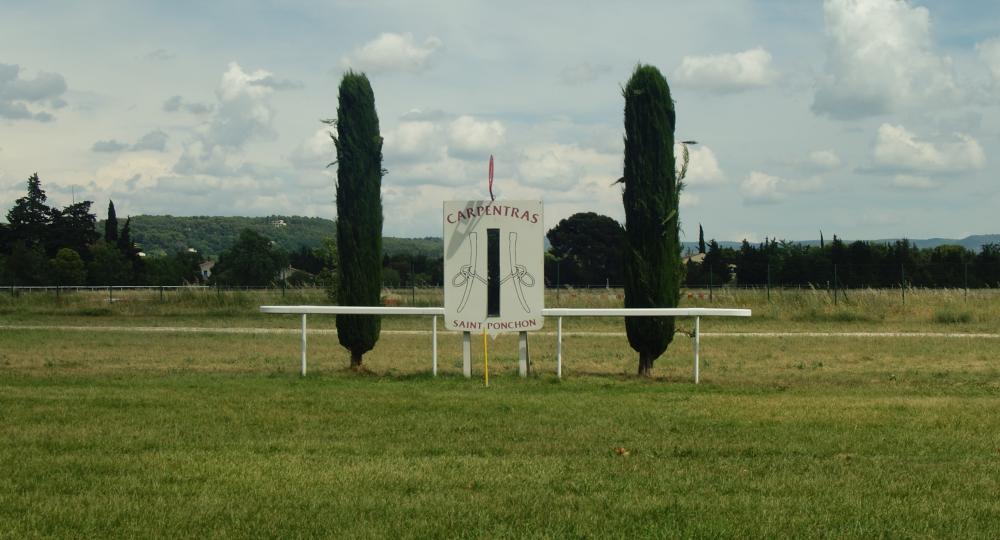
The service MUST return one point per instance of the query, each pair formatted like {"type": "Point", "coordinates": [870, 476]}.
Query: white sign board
{"type": "Point", "coordinates": [493, 266]}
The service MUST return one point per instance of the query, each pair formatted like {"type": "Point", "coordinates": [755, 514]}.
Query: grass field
{"type": "Point", "coordinates": [123, 433]}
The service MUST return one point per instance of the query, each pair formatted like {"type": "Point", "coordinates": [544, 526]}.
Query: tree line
{"type": "Point", "coordinates": [587, 252]}
{"type": "Point", "coordinates": [44, 245]}
{"type": "Point", "coordinates": [853, 265]}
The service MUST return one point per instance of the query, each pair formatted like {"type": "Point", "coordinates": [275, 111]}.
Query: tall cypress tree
{"type": "Point", "coordinates": [359, 212]}
{"type": "Point", "coordinates": [653, 269]}
{"type": "Point", "coordinates": [701, 239]}
{"type": "Point", "coordinates": [111, 225]}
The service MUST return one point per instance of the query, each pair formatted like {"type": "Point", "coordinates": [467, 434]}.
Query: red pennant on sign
{"type": "Point", "coordinates": [492, 198]}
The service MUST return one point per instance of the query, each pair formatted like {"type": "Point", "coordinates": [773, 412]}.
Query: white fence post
{"type": "Point", "coordinates": [559, 313]}
{"type": "Point", "coordinates": [434, 345]}
{"type": "Point", "coordinates": [303, 344]}
{"type": "Point", "coordinates": [559, 348]}
{"type": "Point", "coordinates": [697, 345]}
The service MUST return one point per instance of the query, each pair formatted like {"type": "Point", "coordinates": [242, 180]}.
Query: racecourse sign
{"type": "Point", "coordinates": [493, 266]}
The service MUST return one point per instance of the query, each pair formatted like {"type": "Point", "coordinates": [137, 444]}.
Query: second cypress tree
{"type": "Point", "coordinates": [359, 213]}
{"type": "Point", "coordinates": [111, 225]}
{"type": "Point", "coordinates": [652, 250]}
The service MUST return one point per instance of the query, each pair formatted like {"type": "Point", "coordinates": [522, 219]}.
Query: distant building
{"type": "Point", "coordinates": [205, 269]}
{"type": "Point", "coordinates": [278, 223]}
{"type": "Point", "coordinates": [697, 258]}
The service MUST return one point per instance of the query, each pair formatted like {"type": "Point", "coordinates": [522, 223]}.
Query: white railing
{"type": "Point", "coordinates": [559, 313]}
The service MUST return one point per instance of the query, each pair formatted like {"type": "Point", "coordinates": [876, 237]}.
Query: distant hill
{"type": "Point", "coordinates": [210, 235]}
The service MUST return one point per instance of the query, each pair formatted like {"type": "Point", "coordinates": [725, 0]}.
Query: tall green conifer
{"type": "Point", "coordinates": [359, 212]}
{"type": "Point", "coordinates": [653, 269]}
{"type": "Point", "coordinates": [111, 225]}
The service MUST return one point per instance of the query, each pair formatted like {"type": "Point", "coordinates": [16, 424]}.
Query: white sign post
{"type": "Point", "coordinates": [493, 269]}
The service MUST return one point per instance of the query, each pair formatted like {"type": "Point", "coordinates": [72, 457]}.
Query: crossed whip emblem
{"type": "Point", "coordinates": [467, 274]}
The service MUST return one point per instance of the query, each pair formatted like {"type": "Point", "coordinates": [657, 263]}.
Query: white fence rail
{"type": "Point", "coordinates": [558, 313]}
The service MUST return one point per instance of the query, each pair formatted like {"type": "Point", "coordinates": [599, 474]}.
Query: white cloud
{"type": "Point", "coordinates": [392, 52]}
{"type": "Point", "coordinates": [469, 137]}
{"type": "Point", "coordinates": [897, 149]}
{"type": "Point", "coordinates": [688, 200]}
{"type": "Point", "coordinates": [703, 167]}
{"type": "Point", "coordinates": [910, 182]}
{"type": "Point", "coordinates": [989, 53]}
{"type": "Point", "coordinates": [147, 167]}
{"type": "Point", "coordinates": [417, 140]}
{"type": "Point", "coordinates": [19, 95]}
{"type": "Point", "coordinates": [823, 159]}
{"type": "Point", "coordinates": [440, 170]}
{"type": "Point", "coordinates": [880, 59]}
{"type": "Point", "coordinates": [556, 166]}
{"type": "Point", "coordinates": [762, 188]}
{"type": "Point", "coordinates": [242, 114]}
{"type": "Point", "coordinates": [315, 152]}
{"type": "Point", "coordinates": [731, 72]}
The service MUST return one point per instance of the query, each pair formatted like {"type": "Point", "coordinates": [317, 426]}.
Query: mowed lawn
{"type": "Point", "coordinates": [143, 434]}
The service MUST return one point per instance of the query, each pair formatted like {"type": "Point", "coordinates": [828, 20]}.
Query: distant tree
{"type": "Point", "coordinates": [131, 252]}
{"type": "Point", "coordinates": [111, 225]}
{"type": "Point", "coordinates": [74, 227]}
{"type": "Point", "coordinates": [27, 264]}
{"type": "Point", "coordinates": [359, 212]}
{"type": "Point", "coordinates": [124, 240]}
{"type": "Point", "coordinates": [987, 266]}
{"type": "Point", "coordinates": [5, 239]}
{"type": "Point", "coordinates": [947, 265]}
{"type": "Point", "coordinates": [181, 268]}
{"type": "Point", "coordinates": [307, 259]}
{"type": "Point", "coordinates": [652, 250]}
{"type": "Point", "coordinates": [327, 277]}
{"type": "Point", "coordinates": [701, 239]}
{"type": "Point", "coordinates": [68, 268]}
{"type": "Point", "coordinates": [588, 247]}
{"type": "Point", "coordinates": [391, 277]}
{"type": "Point", "coordinates": [30, 217]}
{"type": "Point", "coordinates": [108, 266]}
{"type": "Point", "coordinates": [252, 261]}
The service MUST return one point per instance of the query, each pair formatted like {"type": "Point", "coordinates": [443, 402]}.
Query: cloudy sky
{"type": "Point", "coordinates": [863, 118]}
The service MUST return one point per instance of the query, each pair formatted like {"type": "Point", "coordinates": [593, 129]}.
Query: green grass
{"type": "Point", "coordinates": [209, 434]}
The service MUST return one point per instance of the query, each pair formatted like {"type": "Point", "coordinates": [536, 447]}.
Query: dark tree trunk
{"type": "Point", "coordinates": [646, 364]}
{"type": "Point", "coordinates": [356, 360]}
